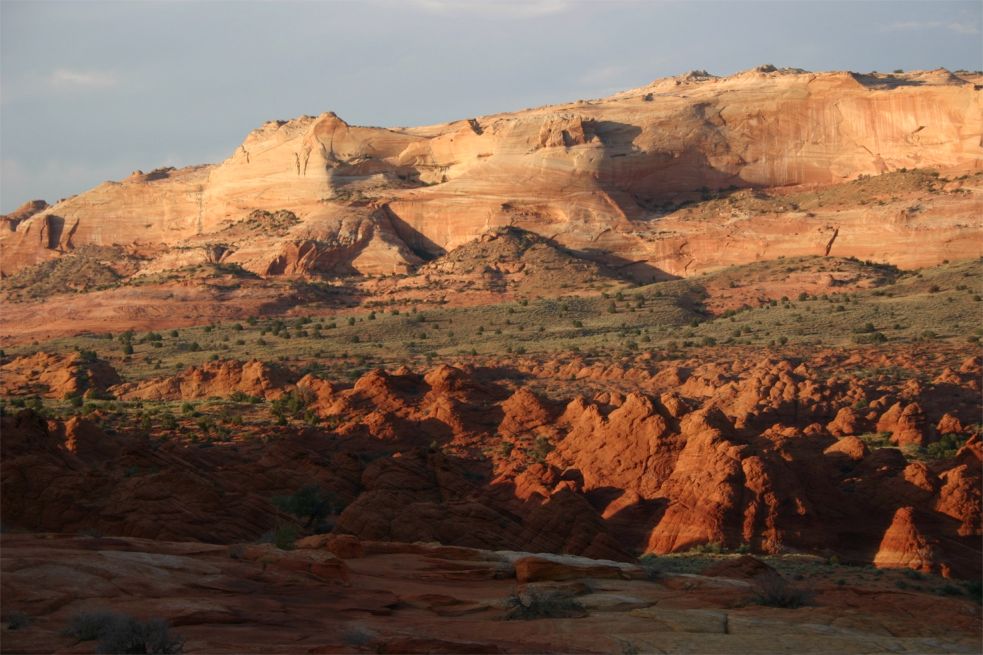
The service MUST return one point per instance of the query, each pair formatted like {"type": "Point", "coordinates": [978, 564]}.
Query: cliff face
{"type": "Point", "coordinates": [591, 174]}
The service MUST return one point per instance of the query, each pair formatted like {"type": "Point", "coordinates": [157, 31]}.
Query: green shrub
{"type": "Point", "coordinates": [779, 593]}
{"type": "Point", "coordinates": [285, 536]}
{"type": "Point", "coordinates": [121, 633]}
{"type": "Point", "coordinates": [310, 502]}
{"type": "Point", "coordinates": [87, 626]}
{"type": "Point", "coordinates": [876, 337]}
{"type": "Point", "coordinates": [542, 605]}
{"type": "Point", "coordinates": [974, 589]}
{"type": "Point", "coordinates": [293, 404]}
{"type": "Point", "coordinates": [946, 447]}
{"type": "Point", "coordinates": [17, 620]}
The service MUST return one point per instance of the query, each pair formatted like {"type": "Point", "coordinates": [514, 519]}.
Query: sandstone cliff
{"type": "Point", "coordinates": [600, 176]}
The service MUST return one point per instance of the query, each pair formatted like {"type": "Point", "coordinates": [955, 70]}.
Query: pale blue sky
{"type": "Point", "coordinates": [91, 91]}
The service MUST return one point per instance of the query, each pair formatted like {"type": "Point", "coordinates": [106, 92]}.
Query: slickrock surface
{"type": "Point", "coordinates": [412, 598]}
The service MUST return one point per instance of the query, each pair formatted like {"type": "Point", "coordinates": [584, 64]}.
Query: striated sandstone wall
{"type": "Point", "coordinates": [590, 174]}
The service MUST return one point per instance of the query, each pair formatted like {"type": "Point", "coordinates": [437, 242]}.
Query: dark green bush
{"type": "Point", "coordinates": [779, 593]}
{"type": "Point", "coordinates": [17, 620]}
{"type": "Point", "coordinates": [310, 503]}
{"type": "Point", "coordinates": [542, 605]}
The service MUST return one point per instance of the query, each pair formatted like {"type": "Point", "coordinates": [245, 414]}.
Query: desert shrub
{"type": "Point", "coordinates": [779, 593]}
{"type": "Point", "coordinates": [358, 636]}
{"type": "Point", "coordinates": [651, 566]}
{"type": "Point", "coordinates": [541, 605]}
{"type": "Point", "coordinates": [17, 620]}
{"type": "Point", "coordinates": [121, 633]}
{"type": "Point", "coordinates": [946, 447]}
{"type": "Point", "coordinates": [310, 503]}
{"type": "Point", "coordinates": [87, 626]}
{"type": "Point", "coordinates": [974, 589]}
{"type": "Point", "coordinates": [128, 635]}
{"type": "Point", "coordinates": [541, 448]}
{"type": "Point", "coordinates": [876, 440]}
{"type": "Point", "coordinates": [284, 537]}
{"type": "Point", "coordinates": [87, 355]}
{"type": "Point", "coordinates": [876, 337]}
{"type": "Point", "coordinates": [293, 404]}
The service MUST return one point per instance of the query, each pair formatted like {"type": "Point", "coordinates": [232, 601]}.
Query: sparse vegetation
{"type": "Point", "coordinates": [121, 633]}
{"type": "Point", "coordinates": [776, 592]}
{"type": "Point", "coordinates": [311, 504]}
{"type": "Point", "coordinates": [16, 620]}
{"type": "Point", "coordinates": [540, 604]}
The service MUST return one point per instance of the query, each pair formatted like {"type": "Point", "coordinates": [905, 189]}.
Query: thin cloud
{"type": "Point", "coordinates": [918, 25]}
{"type": "Point", "coordinates": [506, 9]}
{"type": "Point", "coordinates": [67, 78]}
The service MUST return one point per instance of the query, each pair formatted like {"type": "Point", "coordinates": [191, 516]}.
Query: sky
{"type": "Point", "coordinates": [91, 91]}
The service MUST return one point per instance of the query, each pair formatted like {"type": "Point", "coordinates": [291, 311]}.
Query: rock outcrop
{"type": "Point", "coordinates": [588, 175]}
{"type": "Point", "coordinates": [471, 457]}
{"type": "Point", "coordinates": [421, 598]}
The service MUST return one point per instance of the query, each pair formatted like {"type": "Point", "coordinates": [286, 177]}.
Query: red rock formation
{"type": "Point", "coordinates": [419, 457]}
{"type": "Point", "coordinates": [56, 376]}
{"type": "Point", "coordinates": [220, 378]}
{"type": "Point", "coordinates": [850, 447]}
{"type": "Point", "coordinates": [904, 545]}
{"type": "Point", "coordinates": [846, 423]}
{"type": "Point", "coordinates": [906, 423]}
{"type": "Point", "coordinates": [744, 567]}
{"type": "Point", "coordinates": [949, 424]}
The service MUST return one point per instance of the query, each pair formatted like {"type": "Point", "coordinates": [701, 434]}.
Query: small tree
{"type": "Point", "coordinates": [310, 502]}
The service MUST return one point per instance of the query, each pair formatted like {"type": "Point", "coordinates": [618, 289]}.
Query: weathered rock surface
{"type": "Point", "coordinates": [588, 175]}
{"type": "Point", "coordinates": [221, 378]}
{"type": "Point", "coordinates": [56, 376]}
{"type": "Point", "coordinates": [408, 600]}
{"type": "Point", "coordinates": [677, 463]}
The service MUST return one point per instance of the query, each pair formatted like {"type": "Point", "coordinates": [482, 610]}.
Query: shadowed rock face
{"type": "Point", "coordinates": [590, 174]}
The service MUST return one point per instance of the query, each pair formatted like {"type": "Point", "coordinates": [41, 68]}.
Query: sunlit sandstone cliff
{"type": "Point", "coordinates": [602, 176]}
